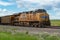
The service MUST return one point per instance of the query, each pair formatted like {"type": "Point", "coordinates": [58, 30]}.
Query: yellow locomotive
{"type": "Point", "coordinates": [37, 18]}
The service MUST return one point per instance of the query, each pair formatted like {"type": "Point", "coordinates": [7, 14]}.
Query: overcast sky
{"type": "Point", "coordinates": [8, 7]}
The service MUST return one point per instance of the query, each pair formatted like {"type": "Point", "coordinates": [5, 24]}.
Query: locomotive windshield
{"type": "Point", "coordinates": [44, 16]}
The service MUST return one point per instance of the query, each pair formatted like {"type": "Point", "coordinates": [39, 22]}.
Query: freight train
{"type": "Point", "coordinates": [37, 18]}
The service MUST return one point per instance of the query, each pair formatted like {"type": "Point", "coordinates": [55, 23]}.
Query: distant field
{"type": "Point", "coordinates": [55, 22]}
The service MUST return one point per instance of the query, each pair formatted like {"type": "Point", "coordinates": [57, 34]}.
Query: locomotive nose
{"type": "Point", "coordinates": [45, 20]}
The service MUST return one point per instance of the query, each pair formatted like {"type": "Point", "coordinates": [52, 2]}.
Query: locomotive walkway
{"type": "Point", "coordinates": [31, 30]}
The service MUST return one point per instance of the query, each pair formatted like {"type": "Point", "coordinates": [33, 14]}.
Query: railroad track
{"type": "Point", "coordinates": [31, 30]}
{"type": "Point", "coordinates": [54, 27]}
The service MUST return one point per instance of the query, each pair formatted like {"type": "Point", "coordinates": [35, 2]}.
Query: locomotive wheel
{"type": "Point", "coordinates": [43, 26]}
{"type": "Point", "coordinates": [34, 25]}
{"type": "Point", "coordinates": [37, 26]}
{"type": "Point", "coordinates": [31, 25]}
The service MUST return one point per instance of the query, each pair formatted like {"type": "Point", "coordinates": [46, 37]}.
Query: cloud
{"type": "Point", "coordinates": [52, 6]}
{"type": "Point", "coordinates": [38, 3]}
{"type": "Point", "coordinates": [55, 13]}
{"type": "Point", "coordinates": [5, 3]}
{"type": "Point", "coordinates": [4, 12]}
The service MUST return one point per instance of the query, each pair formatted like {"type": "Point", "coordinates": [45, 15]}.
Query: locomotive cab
{"type": "Point", "coordinates": [40, 18]}
{"type": "Point", "coordinates": [43, 18]}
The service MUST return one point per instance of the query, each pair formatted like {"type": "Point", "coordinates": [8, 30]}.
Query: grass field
{"type": "Point", "coordinates": [55, 22]}
{"type": "Point", "coordinates": [17, 36]}
{"type": "Point", "coordinates": [8, 33]}
{"type": "Point", "coordinates": [22, 36]}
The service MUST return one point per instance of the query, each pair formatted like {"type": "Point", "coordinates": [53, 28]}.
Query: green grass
{"type": "Point", "coordinates": [46, 36]}
{"type": "Point", "coordinates": [17, 36]}
{"type": "Point", "coordinates": [23, 36]}
{"type": "Point", "coordinates": [55, 22]}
